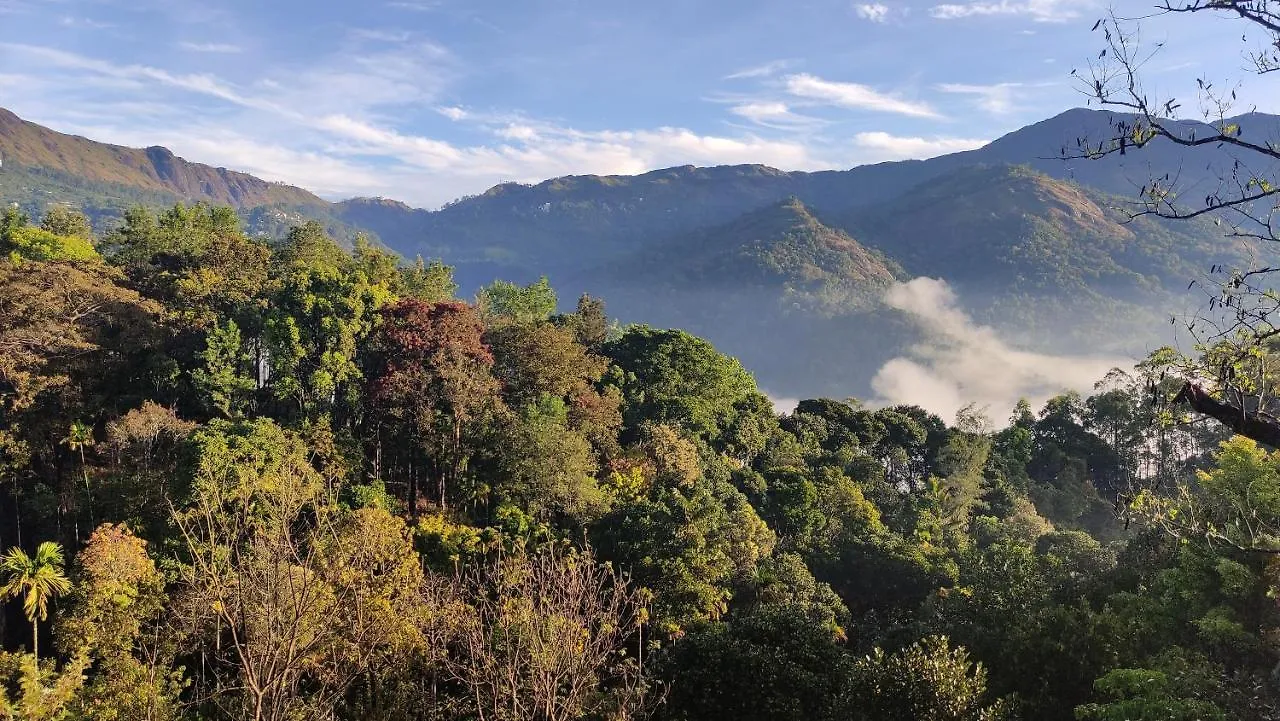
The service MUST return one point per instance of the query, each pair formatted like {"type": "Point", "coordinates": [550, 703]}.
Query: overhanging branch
{"type": "Point", "coordinates": [1239, 420]}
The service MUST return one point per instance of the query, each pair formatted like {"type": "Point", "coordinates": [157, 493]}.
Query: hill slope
{"type": "Point", "coordinates": [152, 169]}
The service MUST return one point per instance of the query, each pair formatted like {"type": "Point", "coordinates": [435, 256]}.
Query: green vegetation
{"type": "Point", "coordinates": [243, 479]}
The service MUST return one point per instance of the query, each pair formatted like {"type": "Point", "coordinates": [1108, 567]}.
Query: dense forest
{"type": "Point", "coordinates": [252, 479]}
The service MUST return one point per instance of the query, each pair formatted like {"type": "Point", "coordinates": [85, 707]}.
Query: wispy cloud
{"type": "Point", "coordinates": [875, 12]}
{"type": "Point", "coordinates": [415, 5]}
{"type": "Point", "coordinates": [776, 115]}
{"type": "Point", "coordinates": [74, 21]}
{"type": "Point", "coordinates": [879, 145]}
{"type": "Point", "coordinates": [854, 96]}
{"type": "Point", "coordinates": [1048, 11]}
{"type": "Point", "coordinates": [996, 99]}
{"type": "Point", "coordinates": [765, 70]}
{"type": "Point", "coordinates": [381, 36]}
{"type": "Point", "coordinates": [218, 48]}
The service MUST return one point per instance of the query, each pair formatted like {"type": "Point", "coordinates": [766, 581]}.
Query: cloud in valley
{"type": "Point", "coordinates": [961, 362]}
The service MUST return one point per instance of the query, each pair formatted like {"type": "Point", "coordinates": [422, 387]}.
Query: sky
{"type": "Point", "coordinates": [426, 101]}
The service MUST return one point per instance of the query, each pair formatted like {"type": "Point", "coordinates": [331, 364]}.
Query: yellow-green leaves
{"type": "Point", "coordinates": [38, 244]}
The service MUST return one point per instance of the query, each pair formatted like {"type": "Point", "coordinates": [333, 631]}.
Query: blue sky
{"type": "Point", "coordinates": [428, 100]}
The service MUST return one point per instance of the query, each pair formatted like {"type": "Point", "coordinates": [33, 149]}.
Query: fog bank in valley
{"type": "Point", "coordinates": [961, 362]}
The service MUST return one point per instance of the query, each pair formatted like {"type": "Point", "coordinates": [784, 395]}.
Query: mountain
{"type": "Point", "coordinates": [782, 253]}
{"type": "Point", "coordinates": [785, 269]}
{"type": "Point", "coordinates": [42, 166]}
{"type": "Point", "coordinates": [152, 169]}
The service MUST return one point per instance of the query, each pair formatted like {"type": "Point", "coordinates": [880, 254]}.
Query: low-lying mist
{"type": "Point", "coordinates": [960, 362]}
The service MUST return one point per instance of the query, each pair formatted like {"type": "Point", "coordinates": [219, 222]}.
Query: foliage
{"type": "Point", "coordinates": [299, 483]}
{"type": "Point", "coordinates": [927, 680]}
{"type": "Point", "coordinates": [34, 579]}
{"type": "Point", "coordinates": [40, 244]}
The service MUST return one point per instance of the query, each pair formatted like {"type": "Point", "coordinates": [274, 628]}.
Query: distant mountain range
{"type": "Point", "coordinates": [783, 269]}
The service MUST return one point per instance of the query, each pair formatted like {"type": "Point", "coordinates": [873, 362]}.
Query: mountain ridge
{"type": "Point", "coordinates": [153, 168]}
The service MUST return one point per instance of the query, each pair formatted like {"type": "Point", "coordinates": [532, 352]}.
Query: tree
{"type": "Point", "coordinates": [43, 695]}
{"type": "Point", "coordinates": [432, 282]}
{"type": "Point", "coordinates": [29, 243]}
{"type": "Point", "coordinates": [549, 636]}
{"type": "Point", "coordinates": [226, 377]}
{"type": "Point", "coordinates": [1145, 695]}
{"type": "Point", "coordinates": [927, 680]}
{"type": "Point", "coordinates": [1232, 379]}
{"type": "Point", "coordinates": [321, 309]}
{"type": "Point", "coordinates": [532, 303]}
{"type": "Point", "coordinates": [430, 375]}
{"type": "Point", "coordinates": [36, 579]}
{"type": "Point", "coordinates": [115, 613]}
{"type": "Point", "coordinates": [772, 664]}
{"type": "Point", "coordinates": [687, 538]}
{"type": "Point", "coordinates": [72, 343]}
{"type": "Point", "coordinates": [64, 221]}
{"type": "Point", "coordinates": [589, 323]}
{"type": "Point", "coordinates": [291, 598]}
{"type": "Point", "coordinates": [1235, 505]}
{"type": "Point", "coordinates": [669, 376]}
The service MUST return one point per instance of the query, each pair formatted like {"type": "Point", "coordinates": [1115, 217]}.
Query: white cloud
{"type": "Point", "coordinates": [72, 21]}
{"type": "Point", "coordinates": [781, 404]}
{"type": "Point", "coordinates": [453, 113]}
{"type": "Point", "coordinates": [766, 70]}
{"type": "Point", "coordinates": [222, 48]}
{"type": "Point", "coordinates": [415, 5]}
{"type": "Point", "coordinates": [774, 114]}
{"type": "Point", "coordinates": [1046, 11]}
{"type": "Point", "coordinates": [522, 133]}
{"type": "Point", "coordinates": [854, 95]}
{"type": "Point", "coordinates": [875, 12]}
{"type": "Point", "coordinates": [880, 145]}
{"type": "Point", "coordinates": [996, 99]}
{"type": "Point", "coordinates": [381, 36]}
{"type": "Point", "coordinates": [962, 362]}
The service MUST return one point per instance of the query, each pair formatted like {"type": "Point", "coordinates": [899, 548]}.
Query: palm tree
{"type": "Point", "coordinates": [79, 438]}
{"type": "Point", "coordinates": [35, 579]}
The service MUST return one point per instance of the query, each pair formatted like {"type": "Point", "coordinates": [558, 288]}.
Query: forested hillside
{"type": "Point", "coordinates": [253, 479]}
{"type": "Point", "coordinates": [1031, 243]}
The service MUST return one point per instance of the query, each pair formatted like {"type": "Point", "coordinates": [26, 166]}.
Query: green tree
{"type": "Point", "coordinates": [430, 282]}
{"type": "Point", "coordinates": [1145, 695]}
{"type": "Point", "coordinates": [43, 694]}
{"type": "Point", "coordinates": [115, 613]}
{"type": "Point", "coordinates": [226, 377]}
{"type": "Point", "coordinates": [64, 221]}
{"type": "Point", "coordinates": [927, 680]}
{"type": "Point", "coordinates": [29, 243]}
{"type": "Point", "coordinates": [533, 303]}
{"type": "Point", "coordinates": [669, 376]}
{"type": "Point", "coordinates": [36, 579]}
{"type": "Point", "coordinates": [772, 664]}
{"type": "Point", "coordinates": [322, 308]}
